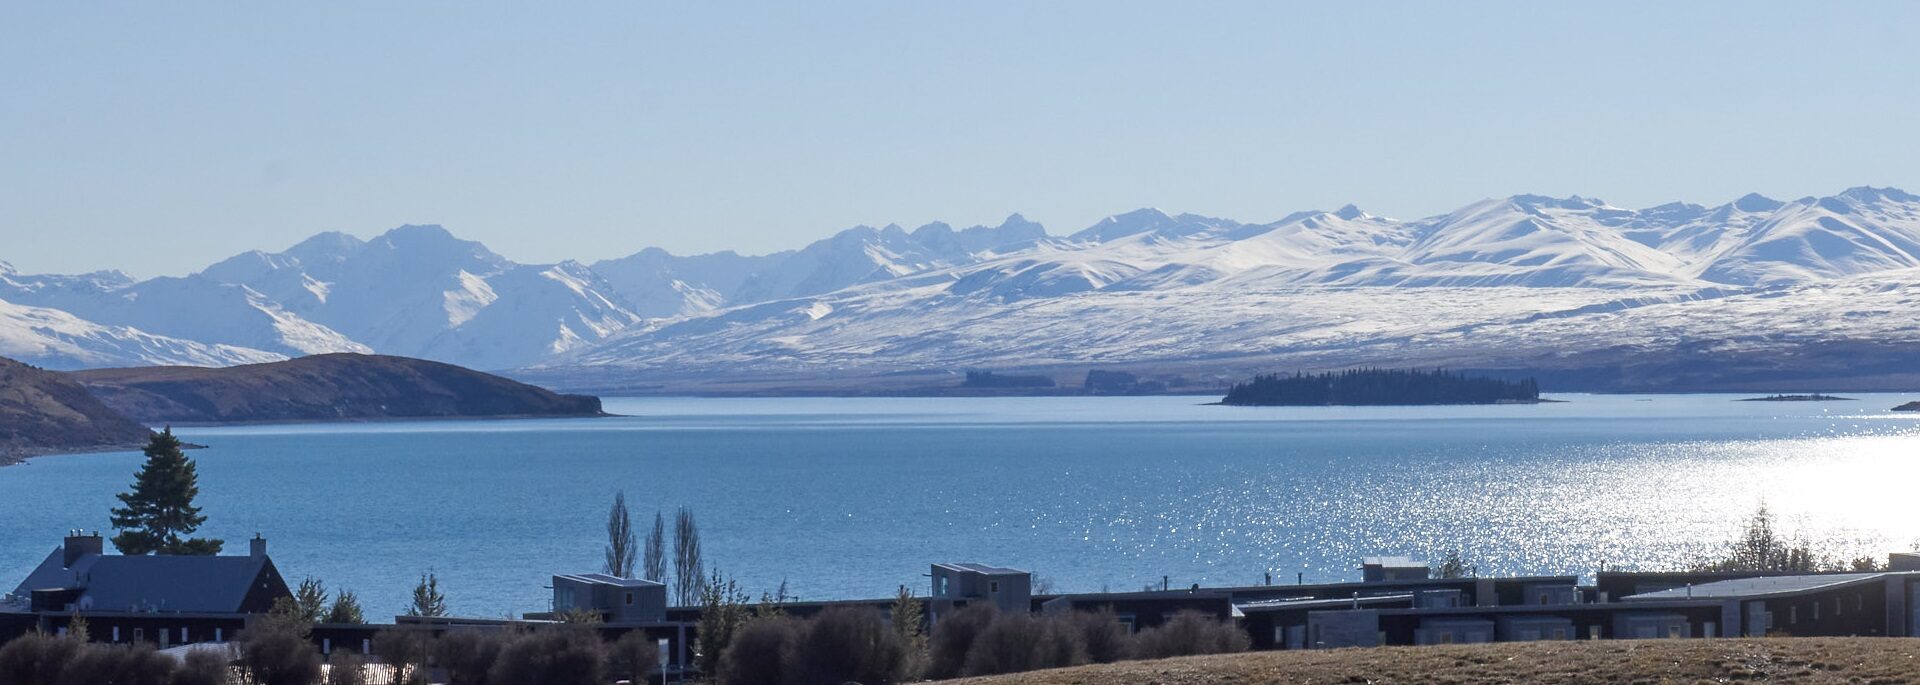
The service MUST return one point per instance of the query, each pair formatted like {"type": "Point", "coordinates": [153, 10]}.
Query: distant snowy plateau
{"type": "Point", "coordinates": [1821, 292]}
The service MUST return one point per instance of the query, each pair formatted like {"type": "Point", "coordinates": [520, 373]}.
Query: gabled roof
{"type": "Point", "coordinates": [160, 583]}
{"type": "Point", "coordinates": [983, 569]}
{"type": "Point", "coordinates": [604, 579]}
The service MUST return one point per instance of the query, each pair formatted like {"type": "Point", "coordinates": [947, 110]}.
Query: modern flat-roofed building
{"type": "Point", "coordinates": [956, 585]}
{"type": "Point", "coordinates": [614, 600]}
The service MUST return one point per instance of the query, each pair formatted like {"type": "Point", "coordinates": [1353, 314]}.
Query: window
{"type": "Point", "coordinates": [1673, 632]}
{"type": "Point", "coordinates": [1816, 610]}
{"type": "Point", "coordinates": [1446, 637]}
{"type": "Point", "coordinates": [629, 599]}
{"type": "Point", "coordinates": [1559, 633]}
{"type": "Point", "coordinates": [139, 634]}
{"type": "Point", "coordinates": [1793, 615]}
{"type": "Point", "coordinates": [116, 633]}
{"type": "Point", "coordinates": [993, 587]}
{"type": "Point", "coordinates": [1543, 598]}
{"type": "Point", "coordinates": [183, 635]}
{"type": "Point", "coordinates": [219, 635]}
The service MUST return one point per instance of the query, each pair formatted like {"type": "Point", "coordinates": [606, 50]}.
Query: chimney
{"type": "Point", "coordinates": [257, 547]}
{"type": "Point", "coordinates": [80, 543]}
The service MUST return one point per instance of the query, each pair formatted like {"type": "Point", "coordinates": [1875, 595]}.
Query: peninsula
{"type": "Point", "coordinates": [326, 387]}
{"type": "Point", "coordinates": [44, 412]}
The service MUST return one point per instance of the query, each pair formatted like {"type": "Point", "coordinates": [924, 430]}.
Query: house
{"type": "Point", "coordinates": [163, 599]}
{"type": "Point", "coordinates": [1381, 569]}
{"type": "Point", "coordinates": [613, 600]}
{"type": "Point", "coordinates": [1811, 605]}
{"type": "Point", "coordinates": [957, 585]}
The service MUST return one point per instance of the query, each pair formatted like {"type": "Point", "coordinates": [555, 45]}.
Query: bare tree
{"type": "Point", "coordinates": [621, 544]}
{"type": "Point", "coordinates": [656, 558]}
{"type": "Point", "coordinates": [688, 570]}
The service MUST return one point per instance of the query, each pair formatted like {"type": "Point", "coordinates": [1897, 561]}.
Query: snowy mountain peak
{"type": "Point", "coordinates": [1870, 194]}
{"type": "Point", "coordinates": [1755, 203]}
{"type": "Point", "coordinates": [1349, 213]}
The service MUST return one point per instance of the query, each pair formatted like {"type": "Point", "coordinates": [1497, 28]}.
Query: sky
{"type": "Point", "coordinates": [157, 138]}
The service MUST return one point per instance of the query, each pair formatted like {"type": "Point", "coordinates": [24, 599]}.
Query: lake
{"type": "Point", "coordinates": [846, 498]}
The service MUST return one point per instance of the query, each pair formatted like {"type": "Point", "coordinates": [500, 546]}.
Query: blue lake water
{"type": "Point", "coordinates": [853, 497]}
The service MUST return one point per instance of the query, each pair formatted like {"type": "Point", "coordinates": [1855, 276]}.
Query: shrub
{"type": "Point", "coordinates": [346, 668]}
{"type": "Point", "coordinates": [635, 655]}
{"type": "Point", "coordinates": [845, 644]}
{"type": "Point", "coordinates": [277, 653]}
{"type": "Point", "coordinates": [1101, 633]}
{"type": "Point", "coordinates": [759, 652]}
{"type": "Point", "coordinates": [36, 658]}
{"type": "Point", "coordinates": [116, 664]}
{"type": "Point", "coordinates": [952, 637]}
{"type": "Point", "coordinates": [1189, 633]}
{"type": "Point", "coordinates": [467, 655]}
{"type": "Point", "coordinates": [557, 656]}
{"type": "Point", "coordinates": [203, 667]}
{"type": "Point", "coordinates": [1015, 643]}
{"type": "Point", "coordinates": [401, 650]}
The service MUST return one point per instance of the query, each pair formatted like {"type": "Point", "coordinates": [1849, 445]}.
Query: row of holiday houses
{"type": "Point", "coordinates": [189, 602]}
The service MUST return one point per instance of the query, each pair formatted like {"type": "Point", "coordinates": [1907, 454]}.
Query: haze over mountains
{"type": "Point", "coordinates": [1524, 282]}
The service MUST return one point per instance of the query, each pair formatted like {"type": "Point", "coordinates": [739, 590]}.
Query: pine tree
{"type": "Point", "coordinates": [427, 598]}
{"type": "Point", "coordinates": [311, 598]}
{"type": "Point", "coordinates": [159, 510]}
{"type": "Point", "coordinates": [346, 609]}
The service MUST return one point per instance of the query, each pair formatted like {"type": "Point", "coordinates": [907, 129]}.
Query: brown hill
{"type": "Point", "coordinates": [328, 387]}
{"type": "Point", "coordinates": [1801, 661]}
{"type": "Point", "coordinates": [44, 412]}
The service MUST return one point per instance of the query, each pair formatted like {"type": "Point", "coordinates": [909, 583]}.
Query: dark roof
{"type": "Point", "coordinates": [983, 569]}
{"type": "Point", "coordinates": [1297, 604]}
{"type": "Point", "coordinates": [163, 583]}
{"type": "Point", "coordinates": [604, 579]}
{"type": "Point", "coordinates": [1757, 587]}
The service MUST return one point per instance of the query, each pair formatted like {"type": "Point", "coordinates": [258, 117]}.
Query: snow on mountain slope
{"type": "Point", "coordinates": [1859, 231]}
{"type": "Point", "coordinates": [659, 284]}
{"type": "Point", "coordinates": [1545, 275]}
{"type": "Point", "coordinates": [190, 308]}
{"type": "Point", "coordinates": [537, 312]}
{"type": "Point", "coordinates": [419, 291]}
{"type": "Point", "coordinates": [50, 338]}
{"type": "Point", "coordinates": [1535, 241]}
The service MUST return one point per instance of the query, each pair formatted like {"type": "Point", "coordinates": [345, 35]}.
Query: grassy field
{"type": "Point", "coordinates": [1880, 661]}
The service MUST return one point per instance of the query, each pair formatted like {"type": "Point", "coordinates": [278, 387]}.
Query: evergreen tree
{"type": "Point", "coordinates": [312, 600]}
{"type": "Point", "coordinates": [427, 598]}
{"type": "Point", "coordinates": [159, 510]}
{"type": "Point", "coordinates": [346, 609]}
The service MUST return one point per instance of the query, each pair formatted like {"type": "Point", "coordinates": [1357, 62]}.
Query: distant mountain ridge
{"type": "Point", "coordinates": [1142, 287]}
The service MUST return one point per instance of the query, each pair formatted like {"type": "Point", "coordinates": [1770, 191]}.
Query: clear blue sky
{"type": "Point", "coordinates": [157, 137]}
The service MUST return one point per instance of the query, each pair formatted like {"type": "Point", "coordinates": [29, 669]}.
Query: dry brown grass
{"type": "Point", "coordinates": [1876, 661]}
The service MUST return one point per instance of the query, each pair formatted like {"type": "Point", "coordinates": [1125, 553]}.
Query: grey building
{"type": "Point", "coordinates": [1384, 569]}
{"type": "Point", "coordinates": [615, 600]}
{"type": "Point", "coordinates": [961, 584]}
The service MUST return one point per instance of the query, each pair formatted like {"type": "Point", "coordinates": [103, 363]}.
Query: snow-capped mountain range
{"type": "Point", "coordinates": [1518, 282]}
